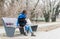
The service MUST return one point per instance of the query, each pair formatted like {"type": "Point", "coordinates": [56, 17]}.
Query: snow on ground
{"type": "Point", "coordinates": [2, 31]}
{"type": "Point", "coordinates": [39, 25]}
{"type": "Point", "coordinates": [48, 24]}
{"type": "Point", "coordinates": [52, 34]}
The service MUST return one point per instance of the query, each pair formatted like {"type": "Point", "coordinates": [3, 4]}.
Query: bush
{"type": "Point", "coordinates": [46, 16]}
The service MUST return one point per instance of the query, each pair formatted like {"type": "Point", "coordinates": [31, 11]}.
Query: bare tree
{"type": "Point", "coordinates": [50, 7]}
{"type": "Point", "coordinates": [32, 12]}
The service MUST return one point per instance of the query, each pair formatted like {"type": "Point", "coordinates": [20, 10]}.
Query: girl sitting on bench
{"type": "Point", "coordinates": [23, 23]}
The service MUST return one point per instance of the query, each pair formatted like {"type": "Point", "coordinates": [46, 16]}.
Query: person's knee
{"type": "Point", "coordinates": [26, 27]}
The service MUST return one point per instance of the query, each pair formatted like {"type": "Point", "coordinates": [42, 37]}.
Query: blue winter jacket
{"type": "Point", "coordinates": [21, 15]}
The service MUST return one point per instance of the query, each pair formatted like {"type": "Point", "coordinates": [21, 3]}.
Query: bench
{"type": "Point", "coordinates": [10, 25]}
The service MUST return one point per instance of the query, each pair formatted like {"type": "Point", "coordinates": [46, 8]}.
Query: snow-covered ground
{"type": "Point", "coordinates": [52, 34]}
{"type": "Point", "coordinates": [2, 31]}
{"type": "Point", "coordinates": [48, 24]}
{"type": "Point", "coordinates": [39, 25]}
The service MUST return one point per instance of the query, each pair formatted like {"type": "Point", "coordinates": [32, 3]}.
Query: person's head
{"type": "Point", "coordinates": [24, 11]}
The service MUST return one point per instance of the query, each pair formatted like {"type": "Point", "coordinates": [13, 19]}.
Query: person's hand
{"type": "Point", "coordinates": [19, 27]}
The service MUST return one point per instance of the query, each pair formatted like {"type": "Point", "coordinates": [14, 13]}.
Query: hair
{"type": "Point", "coordinates": [24, 11]}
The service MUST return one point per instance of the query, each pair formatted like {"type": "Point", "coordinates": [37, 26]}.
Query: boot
{"type": "Point", "coordinates": [32, 34]}
{"type": "Point", "coordinates": [27, 31]}
{"type": "Point", "coordinates": [25, 34]}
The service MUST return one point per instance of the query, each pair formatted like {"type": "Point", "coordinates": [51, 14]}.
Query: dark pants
{"type": "Point", "coordinates": [21, 30]}
{"type": "Point", "coordinates": [22, 22]}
